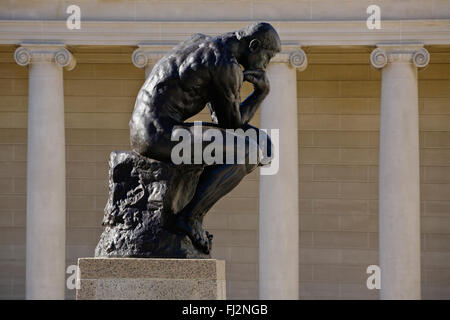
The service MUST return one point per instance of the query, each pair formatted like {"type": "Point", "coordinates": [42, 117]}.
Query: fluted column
{"type": "Point", "coordinates": [399, 178]}
{"type": "Point", "coordinates": [278, 193]}
{"type": "Point", "coordinates": [46, 173]}
{"type": "Point", "coordinates": [145, 57]}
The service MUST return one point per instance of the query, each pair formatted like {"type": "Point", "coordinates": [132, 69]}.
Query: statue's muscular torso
{"type": "Point", "coordinates": [192, 74]}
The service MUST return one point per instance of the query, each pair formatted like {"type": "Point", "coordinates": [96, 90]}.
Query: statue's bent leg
{"type": "Point", "coordinates": [217, 179]}
{"type": "Point", "coordinates": [214, 183]}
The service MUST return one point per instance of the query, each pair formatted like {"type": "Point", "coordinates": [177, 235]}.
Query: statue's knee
{"type": "Point", "coordinates": [251, 157]}
{"type": "Point", "coordinates": [265, 148]}
{"type": "Point", "coordinates": [139, 146]}
{"type": "Point", "coordinates": [258, 153]}
{"type": "Point", "coordinates": [246, 168]}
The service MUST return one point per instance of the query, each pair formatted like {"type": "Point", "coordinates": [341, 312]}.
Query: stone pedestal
{"type": "Point", "coordinates": [151, 279]}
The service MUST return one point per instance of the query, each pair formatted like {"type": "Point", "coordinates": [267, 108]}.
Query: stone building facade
{"type": "Point", "coordinates": [364, 119]}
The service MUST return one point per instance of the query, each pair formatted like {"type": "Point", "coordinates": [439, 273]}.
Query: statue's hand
{"type": "Point", "coordinates": [213, 113]}
{"type": "Point", "coordinates": [259, 80]}
{"type": "Point", "coordinates": [214, 118]}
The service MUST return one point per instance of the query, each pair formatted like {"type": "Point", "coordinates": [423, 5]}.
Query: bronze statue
{"type": "Point", "coordinates": [201, 71]}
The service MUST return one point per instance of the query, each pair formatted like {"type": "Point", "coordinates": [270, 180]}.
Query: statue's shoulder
{"type": "Point", "coordinates": [196, 56]}
{"type": "Point", "coordinates": [202, 51]}
{"type": "Point", "coordinates": [199, 36]}
{"type": "Point", "coordinates": [180, 58]}
{"type": "Point", "coordinates": [219, 55]}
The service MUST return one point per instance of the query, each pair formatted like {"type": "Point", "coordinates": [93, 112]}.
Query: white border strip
{"type": "Point", "coordinates": [306, 33]}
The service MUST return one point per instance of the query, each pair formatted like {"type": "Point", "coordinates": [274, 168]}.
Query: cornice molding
{"type": "Point", "coordinates": [310, 33]}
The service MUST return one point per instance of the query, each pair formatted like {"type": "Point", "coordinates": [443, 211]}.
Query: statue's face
{"type": "Point", "coordinates": [257, 57]}
{"type": "Point", "coordinates": [260, 59]}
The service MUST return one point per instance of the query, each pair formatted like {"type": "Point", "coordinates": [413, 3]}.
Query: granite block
{"type": "Point", "coordinates": [151, 279]}
{"type": "Point", "coordinates": [89, 290]}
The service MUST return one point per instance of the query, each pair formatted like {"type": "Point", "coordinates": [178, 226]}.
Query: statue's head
{"type": "Point", "coordinates": [261, 43]}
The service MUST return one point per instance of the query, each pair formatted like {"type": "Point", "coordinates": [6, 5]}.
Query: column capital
{"type": "Point", "coordinates": [295, 57]}
{"type": "Point", "coordinates": [43, 52]}
{"type": "Point", "coordinates": [407, 53]}
{"type": "Point", "coordinates": [147, 55]}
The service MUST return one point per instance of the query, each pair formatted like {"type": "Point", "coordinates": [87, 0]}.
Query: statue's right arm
{"type": "Point", "coordinates": [227, 105]}
{"type": "Point", "coordinates": [226, 98]}
{"type": "Point", "coordinates": [261, 86]}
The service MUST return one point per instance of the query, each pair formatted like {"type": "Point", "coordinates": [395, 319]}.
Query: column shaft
{"type": "Point", "coordinates": [278, 194]}
{"type": "Point", "coordinates": [46, 188]}
{"type": "Point", "coordinates": [46, 171]}
{"type": "Point", "coordinates": [399, 175]}
{"type": "Point", "coordinates": [148, 70]}
{"type": "Point", "coordinates": [399, 184]}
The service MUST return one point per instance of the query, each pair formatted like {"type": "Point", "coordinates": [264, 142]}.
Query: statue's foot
{"type": "Point", "coordinates": [194, 230]}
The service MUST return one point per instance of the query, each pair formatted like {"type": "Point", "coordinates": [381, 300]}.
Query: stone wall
{"type": "Point", "coordinates": [338, 109]}
{"type": "Point", "coordinates": [338, 98]}
{"type": "Point", "coordinates": [13, 146]}
{"type": "Point", "coordinates": [434, 125]}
